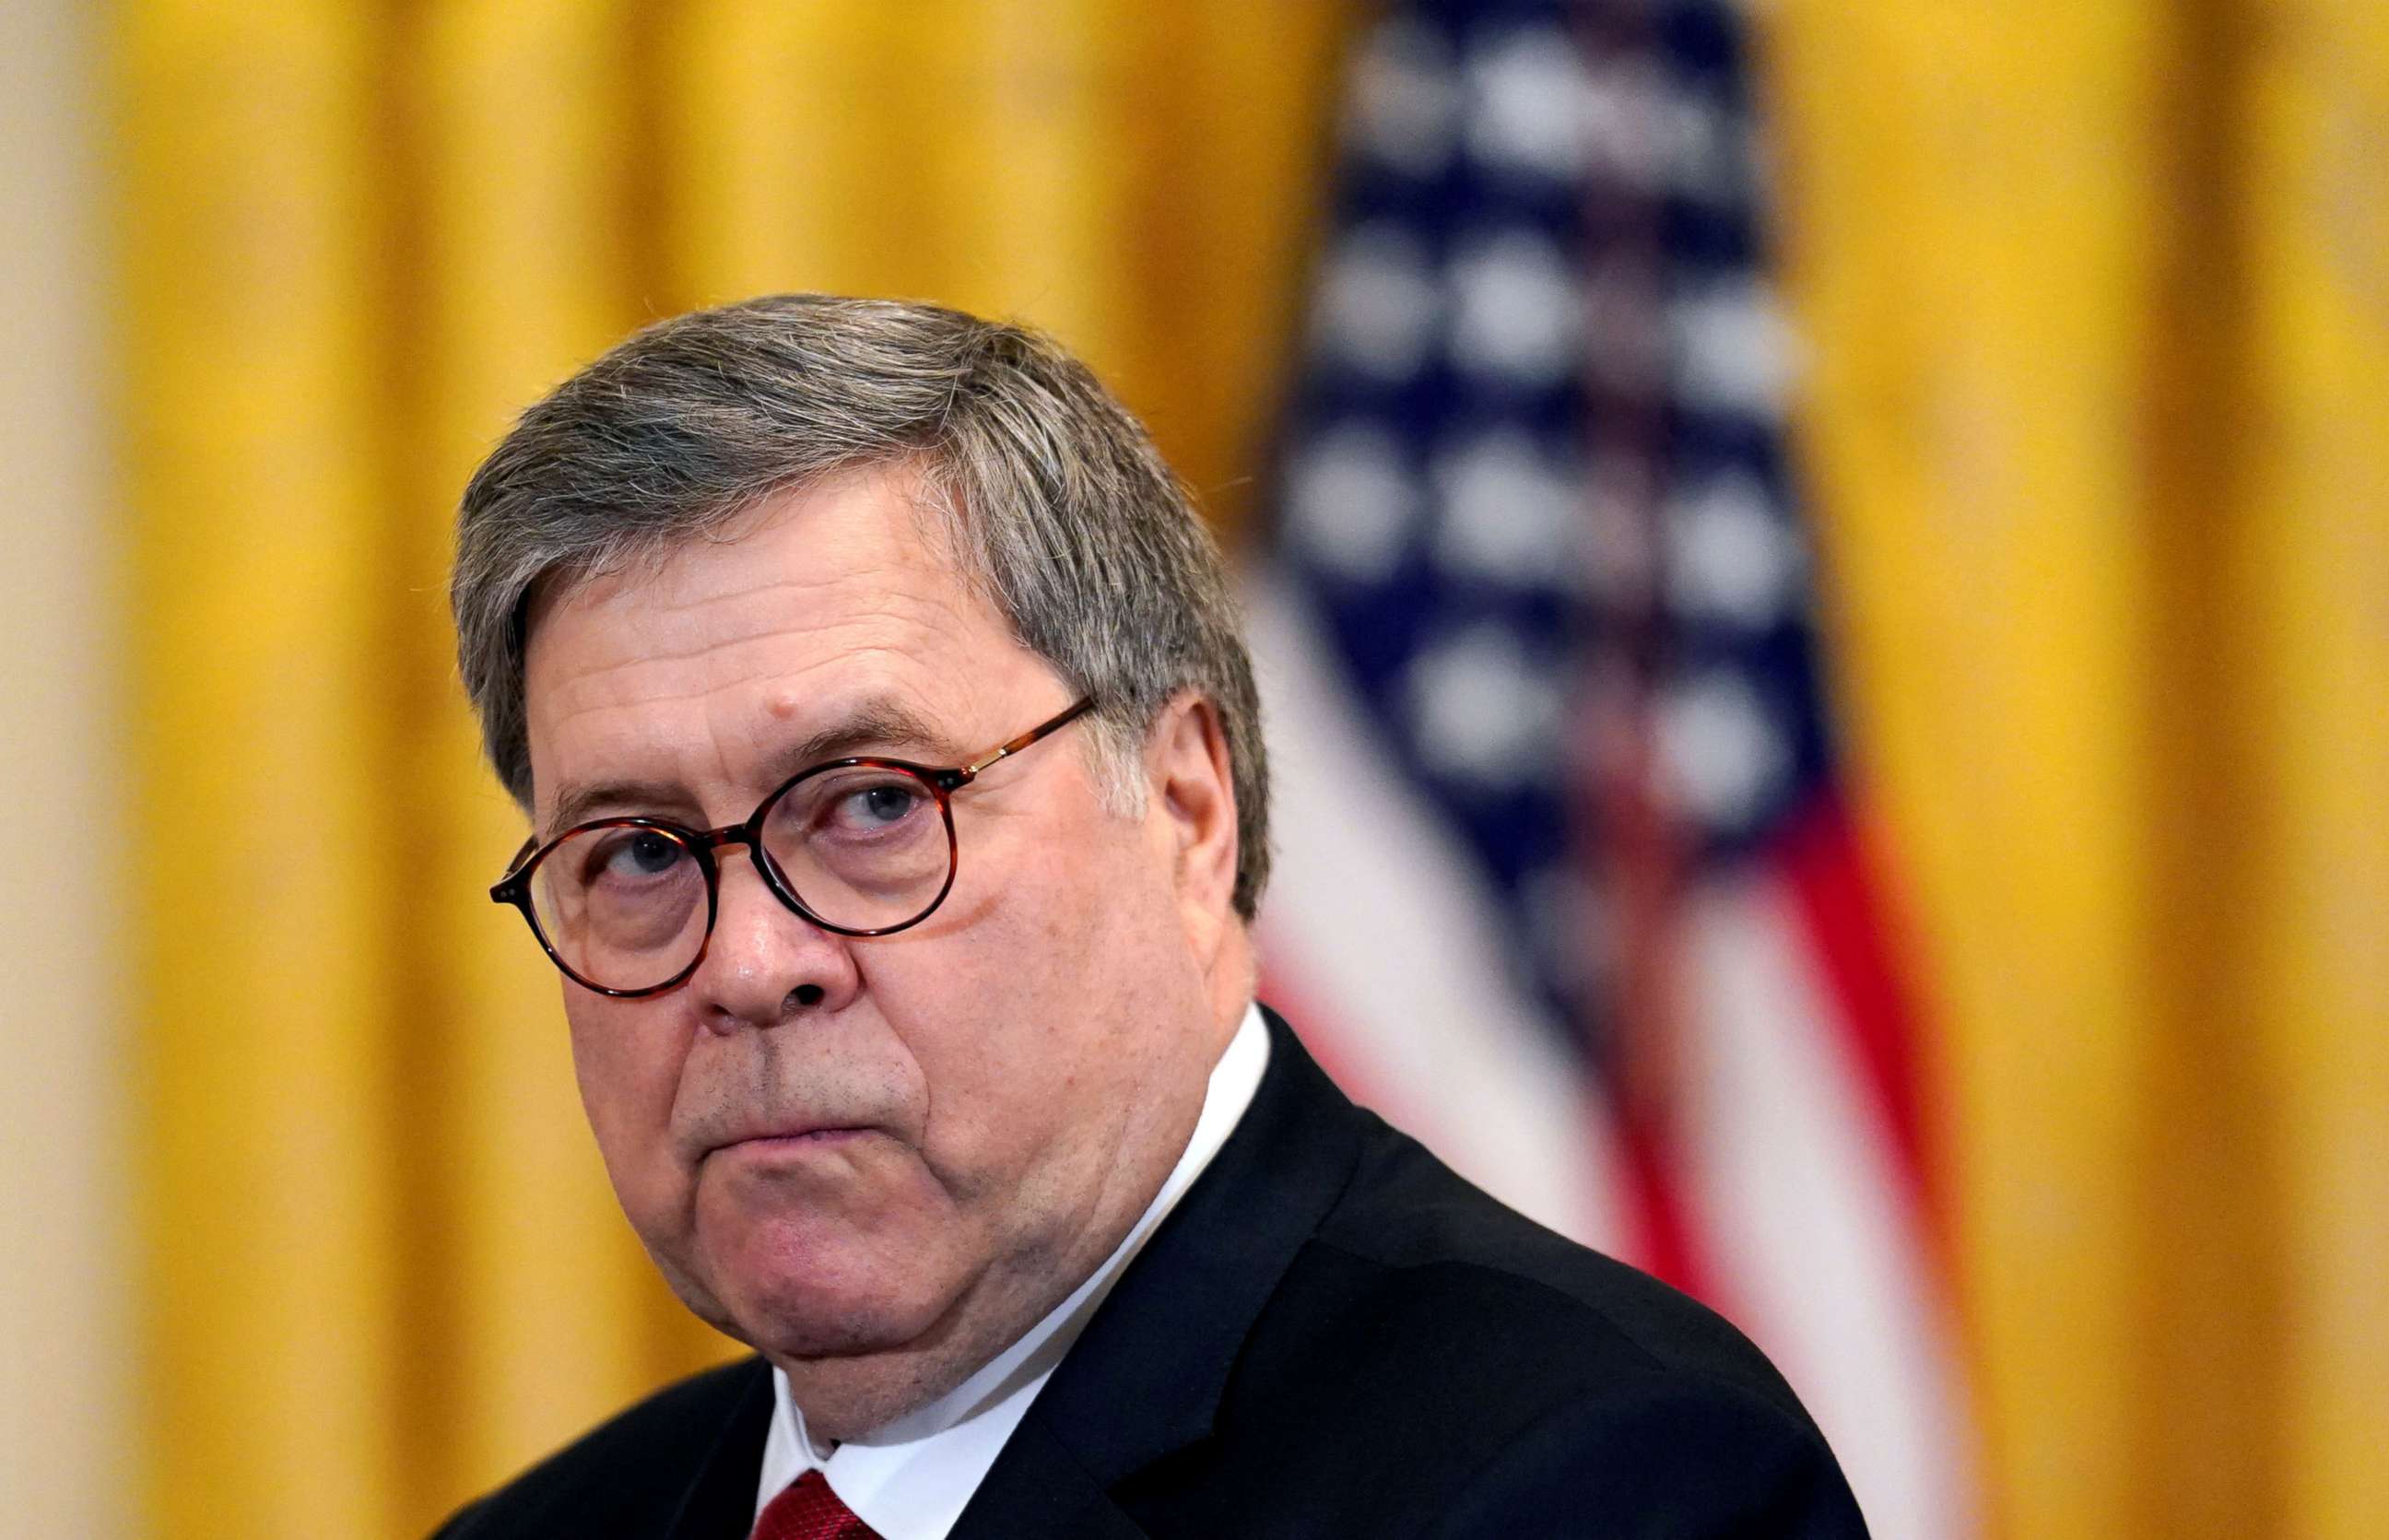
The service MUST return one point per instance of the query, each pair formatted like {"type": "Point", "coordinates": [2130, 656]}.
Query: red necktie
{"type": "Point", "coordinates": [807, 1509]}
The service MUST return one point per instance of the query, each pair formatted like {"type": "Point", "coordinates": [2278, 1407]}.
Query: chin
{"type": "Point", "coordinates": [793, 1291]}
{"type": "Point", "coordinates": [820, 1253]}
{"type": "Point", "coordinates": [783, 1323]}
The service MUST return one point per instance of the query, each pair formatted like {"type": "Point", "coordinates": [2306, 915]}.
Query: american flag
{"type": "Point", "coordinates": [1567, 881]}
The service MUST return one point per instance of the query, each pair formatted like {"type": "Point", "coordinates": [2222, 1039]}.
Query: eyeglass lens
{"type": "Point", "coordinates": [865, 847]}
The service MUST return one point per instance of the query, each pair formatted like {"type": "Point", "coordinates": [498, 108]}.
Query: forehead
{"type": "Point", "coordinates": [820, 602]}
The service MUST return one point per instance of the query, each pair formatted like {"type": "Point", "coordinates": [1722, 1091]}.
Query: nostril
{"type": "Point", "coordinates": [806, 994]}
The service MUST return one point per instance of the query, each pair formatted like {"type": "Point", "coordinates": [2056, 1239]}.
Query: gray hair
{"type": "Point", "coordinates": [1061, 510]}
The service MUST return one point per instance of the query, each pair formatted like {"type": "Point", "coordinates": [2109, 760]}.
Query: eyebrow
{"type": "Point", "coordinates": [876, 722]}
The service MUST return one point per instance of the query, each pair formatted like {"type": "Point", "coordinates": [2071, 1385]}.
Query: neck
{"type": "Point", "coordinates": [1231, 984]}
{"type": "Point", "coordinates": [850, 1397]}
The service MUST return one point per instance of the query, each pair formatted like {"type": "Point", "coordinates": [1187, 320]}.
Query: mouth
{"type": "Point", "coordinates": [791, 1141]}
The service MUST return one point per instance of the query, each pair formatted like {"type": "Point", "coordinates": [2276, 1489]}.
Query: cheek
{"type": "Point", "coordinates": [1033, 1024]}
{"type": "Point", "coordinates": [628, 1066]}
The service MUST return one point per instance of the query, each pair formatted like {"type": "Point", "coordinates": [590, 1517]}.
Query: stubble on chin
{"type": "Point", "coordinates": [857, 1355]}
{"type": "Point", "coordinates": [852, 1381]}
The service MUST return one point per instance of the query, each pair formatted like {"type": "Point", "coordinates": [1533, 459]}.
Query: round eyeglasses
{"type": "Point", "coordinates": [861, 846]}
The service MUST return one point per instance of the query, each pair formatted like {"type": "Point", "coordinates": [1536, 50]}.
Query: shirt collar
{"type": "Point", "coordinates": [911, 1478]}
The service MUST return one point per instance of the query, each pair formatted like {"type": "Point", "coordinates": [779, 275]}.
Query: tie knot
{"type": "Point", "coordinates": [807, 1509]}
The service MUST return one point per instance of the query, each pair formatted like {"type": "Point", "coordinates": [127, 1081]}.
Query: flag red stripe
{"type": "Point", "coordinates": [1823, 863]}
{"type": "Point", "coordinates": [1660, 1233]}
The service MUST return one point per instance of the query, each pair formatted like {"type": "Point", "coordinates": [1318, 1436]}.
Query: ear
{"type": "Point", "coordinates": [1193, 806]}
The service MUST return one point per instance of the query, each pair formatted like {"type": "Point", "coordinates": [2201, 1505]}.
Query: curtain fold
{"type": "Point", "coordinates": [268, 986]}
{"type": "Point", "coordinates": [2097, 310]}
{"type": "Point", "coordinates": [2095, 421]}
{"type": "Point", "coordinates": [383, 1269]}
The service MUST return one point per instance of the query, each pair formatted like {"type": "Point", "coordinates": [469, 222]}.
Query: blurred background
{"type": "Point", "coordinates": [1821, 574]}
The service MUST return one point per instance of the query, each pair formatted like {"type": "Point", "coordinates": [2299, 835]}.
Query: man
{"type": "Point", "coordinates": [899, 811]}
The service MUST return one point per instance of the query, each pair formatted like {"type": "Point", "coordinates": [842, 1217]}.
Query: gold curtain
{"type": "Point", "coordinates": [2097, 424]}
{"type": "Point", "coordinates": [383, 1269]}
{"type": "Point", "coordinates": [2098, 303]}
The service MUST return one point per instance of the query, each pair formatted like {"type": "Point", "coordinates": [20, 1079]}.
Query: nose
{"type": "Point", "coordinates": [766, 963]}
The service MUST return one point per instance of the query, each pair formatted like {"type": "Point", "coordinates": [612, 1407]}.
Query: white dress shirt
{"type": "Point", "coordinates": [911, 1478]}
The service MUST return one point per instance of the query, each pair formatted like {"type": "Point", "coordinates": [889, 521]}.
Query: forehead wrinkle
{"type": "Point", "coordinates": [669, 626]}
{"type": "Point", "coordinates": [726, 665]}
{"type": "Point", "coordinates": [871, 709]}
{"type": "Point", "coordinates": [720, 662]}
{"type": "Point", "coordinates": [872, 609]}
{"type": "Point", "coordinates": [881, 717]}
{"type": "Point", "coordinates": [903, 565]}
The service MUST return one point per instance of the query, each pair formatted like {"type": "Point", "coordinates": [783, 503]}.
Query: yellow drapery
{"type": "Point", "coordinates": [2096, 305]}
{"type": "Point", "coordinates": [383, 1268]}
{"type": "Point", "coordinates": [2098, 424]}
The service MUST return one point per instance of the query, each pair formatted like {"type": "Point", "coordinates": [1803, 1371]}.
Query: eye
{"type": "Point", "coordinates": [855, 807]}
{"type": "Point", "coordinates": [880, 805]}
{"type": "Point", "coordinates": [636, 855]}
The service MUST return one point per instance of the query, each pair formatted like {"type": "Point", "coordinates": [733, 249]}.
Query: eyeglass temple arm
{"type": "Point", "coordinates": [1006, 750]}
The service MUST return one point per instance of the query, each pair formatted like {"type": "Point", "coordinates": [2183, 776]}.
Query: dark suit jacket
{"type": "Point", "coordinates": [1332, 1335]}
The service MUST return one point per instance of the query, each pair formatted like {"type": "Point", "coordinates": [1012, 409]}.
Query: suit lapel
{"type": "Point", "coordinates": [1038, 1490]}
{"type": "Point", "coordinates": [719, 1503]}
{"type": "Point", "coordinates": [1147, 1375]}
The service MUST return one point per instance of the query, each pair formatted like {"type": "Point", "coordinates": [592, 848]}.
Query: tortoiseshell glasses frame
{"type": "Point", "coordinates": [672, 840]}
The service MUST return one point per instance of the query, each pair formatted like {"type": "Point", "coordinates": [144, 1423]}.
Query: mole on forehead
{"type": "Point", "coordinates": [876, 720]}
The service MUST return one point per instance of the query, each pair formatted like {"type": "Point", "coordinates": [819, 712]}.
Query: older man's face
{"type": "Point", "coordinates": [839, 1146]}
